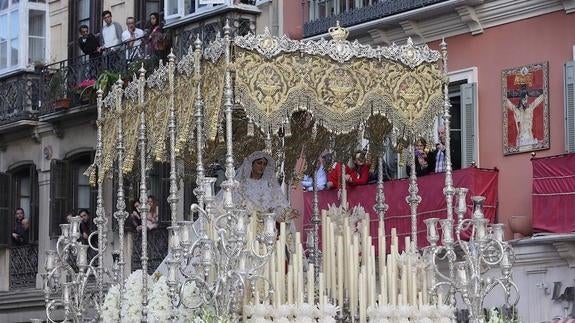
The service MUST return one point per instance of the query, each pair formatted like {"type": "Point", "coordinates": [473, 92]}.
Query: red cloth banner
{"type": "Point", "coordinates": [478, 181]}
{"type": "Point", "coordinates": [554, 193]}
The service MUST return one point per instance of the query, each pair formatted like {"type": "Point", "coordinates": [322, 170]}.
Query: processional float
{"type": "Point", "coordinates": [221, 264]}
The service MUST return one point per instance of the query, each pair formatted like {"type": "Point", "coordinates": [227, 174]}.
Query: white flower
{"type": "Point", "coordinates": [111, 307]}
{"type": "Point", "coordinates": [160, 303]}
{"type": "Point", "coordinates": [131, 311]}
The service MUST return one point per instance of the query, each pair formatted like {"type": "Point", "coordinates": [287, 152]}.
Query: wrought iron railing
{"type": "Point", "coordinates": [73, 81]}
{"type": "Point", "coordinates": [354, 16]}
{"type": "Point", "coordinates": [157, 249]}
{"type": "Point", "coordinates": [19, 97]}
{"type": "Point", "coordinates": [23, 266]}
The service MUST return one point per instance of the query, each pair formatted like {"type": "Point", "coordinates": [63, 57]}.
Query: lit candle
{"type": "Point", "coordinates": [447, 228]}
{"type": "Point", "coordinates": [75, 227]}
{"type": "Point", "coordinates": [498, 231]}
{"type": "Point", "coordinates": [173, 266]}
{"type": "Point", "coordinates": [270, 225]}
{"type": "Point", "coordinates": [461, 205]}
{"type": "Point", "coordinates": [241, 226]}
{"type": "Point", "coordinates": [65, 228]}
{"type": "Point", "coordinates": [432, 235]}
{"type": "Point", "coordinates": [461, 273]}
{"type": "Point", "coordinates": [82, 255]}
{"type": "Point", "coordinates": [174, 233]}
{"type": "Point", "coordinates": [50, 260]}
{"type": "Point", "coordinates": [480, 228]}
{"type": "Point", "coordinates": [208, 186]}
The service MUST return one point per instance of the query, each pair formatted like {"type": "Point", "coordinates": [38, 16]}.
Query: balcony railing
{"type": "Point", "coordinates": [23, 266]}
{"type": "Point", "coordinates": [157, 249]}
{"type": "Point", "coordinates": [74, 80]}
{"type": "Point", "coordinates": [19, 97]}
{"type": "Point", "coordinates": [325, 13]}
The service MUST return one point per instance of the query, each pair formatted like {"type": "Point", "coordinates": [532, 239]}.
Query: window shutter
{"type": "Point", "coordinates": [570, 106]}
{"type": "Point", "coordinates": [468, 108]}
{"type": "Point", "coordinates": [60, 195]}
{"type": "Point", "coordinates": [5, 215]}
{"type": "Point", "coordinates": [34, 202]}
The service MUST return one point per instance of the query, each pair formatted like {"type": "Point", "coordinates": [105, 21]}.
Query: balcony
{"type": "Point", "coordinates": [325, 13]}
{"type": "Point", "coordinates": [19, 100]}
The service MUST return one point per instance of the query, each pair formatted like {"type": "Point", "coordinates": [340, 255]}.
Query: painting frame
{"type": "Point", "coordinates": [525, 107]}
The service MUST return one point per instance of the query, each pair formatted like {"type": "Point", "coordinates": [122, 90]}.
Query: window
{"type": "Point", "coordinates": [9, 32]}
{"type": "Point", "coordinates": [19, 189]}
{"type": "Point", "coordinates": [67, 180]}
{"type": "Point", "coordinates": [36, 35]}
{"type": "Point", "coordinates": [463, 126]}
{"type": "Point", "coordinates": [82, 12]}
{"type": "Point", "coordinates": [181, 8]}
{"type": "Point", "coordinates": [143, 9]}
{"type": "Point", "coordinates": [570, 106]}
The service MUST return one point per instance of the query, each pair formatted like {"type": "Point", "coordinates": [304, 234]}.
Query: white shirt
{"type": "Point", "coordinates": [109, 36]}
{"type": "Point", "coordinates": [136, 51]}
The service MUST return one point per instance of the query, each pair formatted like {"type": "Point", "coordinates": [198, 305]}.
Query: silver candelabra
{"type": "Point", "coordinates": [473, 264]}
{"type": "Point", "coordinates": [68, 272]}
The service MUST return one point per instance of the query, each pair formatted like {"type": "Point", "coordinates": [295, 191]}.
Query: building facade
{"type": "Point", "coordinates": [484, 38]}
{"type": "Point", "coordinates": [48, 120]}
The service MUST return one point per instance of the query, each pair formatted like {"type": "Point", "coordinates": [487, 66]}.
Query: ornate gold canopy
{"type": "Point", "coordinates": [341, 83]}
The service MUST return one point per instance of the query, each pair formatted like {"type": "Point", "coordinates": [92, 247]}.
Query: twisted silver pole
{"type": "Point", "coordinates": [121, 215]}
{"type": "Point", "coordinates": [380, 205]}
{"type": "Point", "coordinates": [413, 199]}
{"type": "Point", "coordinates": [228, 106]}
{"type": "Point", "coordinates": [100, 219]}
{"type": "Point", "coordinates": [173, 198]}
{"type": "Point", "coordinates": [199, 114]}
{"type": "Point", "coordinates": [144, 207]}
{"type": "Point", "coordinates": [449, 190]}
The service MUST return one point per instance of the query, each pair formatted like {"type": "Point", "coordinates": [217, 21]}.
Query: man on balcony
{"type": "Point", "coordinates": [132, 37]}
{"type": "Point", "coordinates": [111, 34]}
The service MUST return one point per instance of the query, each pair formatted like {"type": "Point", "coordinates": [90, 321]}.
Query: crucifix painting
{"type": "Point", "coordinates": [525, 108]}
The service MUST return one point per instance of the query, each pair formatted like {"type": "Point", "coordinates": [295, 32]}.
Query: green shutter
{"type": "Point", "coordinates": [570, 106]}
{"type": "Point", "coordinates": [468, 124]}
{"type": "Point", "coordinates": [60, 195]}
{"type": "Point", "coordinates": [5, 214]}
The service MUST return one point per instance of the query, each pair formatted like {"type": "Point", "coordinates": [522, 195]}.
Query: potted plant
{"type": "Point", "coordinates": [58, 93]}
{"type": "Point", "coordinates": [106, 81]}
{"type": "Point", "coordinates": [86, 90]}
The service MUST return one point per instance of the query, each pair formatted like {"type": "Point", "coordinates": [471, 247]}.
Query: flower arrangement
{"type": "Point", "coordinates": [502, 315]}
{"type": "Point", "coordinates": [111, 307]}
{"type": "Point", "coordinates": [86, 90]}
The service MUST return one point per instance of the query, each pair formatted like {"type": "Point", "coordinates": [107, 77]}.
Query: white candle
{"type": "Point", "coordinates": [290, 285]}
{"type": "Point", "coordinates": [340, 271]}
{"type": "Point", "coordinates": [310, 284]}
{"type": "Point", "coordinates": [321, 291]}
{"type": "Point", "coordinates": [361, 297]}
{"type": "Point", "coordinates": [404, 277]}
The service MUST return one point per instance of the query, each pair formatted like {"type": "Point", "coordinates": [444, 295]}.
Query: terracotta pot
{"type": "Point", "coordinates": [63, 103]}
{"type": "Point", "coordinates": [521, 226]}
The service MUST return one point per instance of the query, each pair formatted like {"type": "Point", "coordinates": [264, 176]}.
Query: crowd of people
{"type": "Point", "coordinates": [112, 36]}
{"type": "Point", "coordinates": [328, 173]}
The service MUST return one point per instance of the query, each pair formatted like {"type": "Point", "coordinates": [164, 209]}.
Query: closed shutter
{"type": "Point", "coordinates": [468, 126]}
{"type": "Point", "coordinates": [60, 195]}
{"type": "Point", "coordinates": [5, 214]}
{"type": "Point", "coordinates": [570, 107]}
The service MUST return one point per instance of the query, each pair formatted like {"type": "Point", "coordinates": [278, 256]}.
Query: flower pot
{"type": "Point", "coordinates": [60, 104]}
{"type": "Point", "coordinates": [521, 226]}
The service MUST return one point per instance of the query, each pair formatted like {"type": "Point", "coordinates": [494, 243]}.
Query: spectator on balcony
{"type": "Point", "coordinates": [132, 37]}
{"type": "Point", "coordinates": [20, 231]}
{"type": "Point", "coordinates": [136, 217]}
{"type": "Point", "coordinates": [324, 161]}
{"type": "Point", "coordinates": [421, 160]}
{"type": "Point", "coordinates": [111, 34]}
{"type": "Point", "coordinates": [158, 42]}
{"type": "Point", "coordinates": [89, 44]}
{"type": "Point", "coordinates": [84, 225]}
{"type": "Point", "coordinates": [356, 171]}
{"type": "Point", "coordinates": [153, 217]}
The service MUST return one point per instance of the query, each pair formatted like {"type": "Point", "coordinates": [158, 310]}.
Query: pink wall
{"type": "Point", "coordinates": [293, 17]}
{"type": "Point", "coordinates": [545, 38]}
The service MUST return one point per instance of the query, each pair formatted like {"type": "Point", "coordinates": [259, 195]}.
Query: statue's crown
{"type": "Point", "coordinates": [338, 32]}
